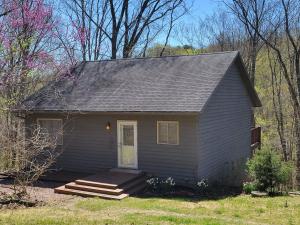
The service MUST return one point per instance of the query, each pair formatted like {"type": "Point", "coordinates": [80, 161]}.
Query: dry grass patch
{"type": "Point", "coordinates": [232, 210]}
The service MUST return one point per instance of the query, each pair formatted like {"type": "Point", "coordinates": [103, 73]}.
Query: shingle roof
{"type": "Point", "coordinates": [161, 84]}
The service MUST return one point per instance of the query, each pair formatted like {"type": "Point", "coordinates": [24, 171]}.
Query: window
{"type": "Point", "coordinates": [168, 132]}
{"type": "Point", "coordinates": [52, 127]}
{"type": "Point", "coordinates": [128, 135]}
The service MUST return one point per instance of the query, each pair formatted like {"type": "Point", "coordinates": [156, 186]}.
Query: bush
{"type": "Point", "coordinates": [268, 170]}
{"type": "Point", "coordinates": [25, 158]}
{"type": "Point", "coordinates": [159, 185]}
{"type": "Point", "coordinates": [248, 187]}
{"type": "Point", "coordinates": [202, 185]}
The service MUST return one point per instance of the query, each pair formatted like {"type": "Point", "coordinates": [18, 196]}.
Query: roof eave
{"type": "Point", "coordinates": [105, 112]}
{"type": "Point", "coordinates": [251, 90]}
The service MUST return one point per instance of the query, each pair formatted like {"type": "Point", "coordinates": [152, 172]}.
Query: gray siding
{"type": "Point", "coordinates": [224, 131]}
{"type": "Point", "coordinates": [213, 145]}
{"type": "Point", "coordinates": [89, 147]}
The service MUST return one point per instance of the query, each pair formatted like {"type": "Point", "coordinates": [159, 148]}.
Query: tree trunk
{"type": "Point", "coordinates": [297, 71]}
{"type": "Point", "coordinates": [297, 159]}
{"type": "Point", "coordinates": [83, 31]}
{"type": "Point", "coordinates": [253, 60]}
{"type": "Point", "coordinates": [113, 48]}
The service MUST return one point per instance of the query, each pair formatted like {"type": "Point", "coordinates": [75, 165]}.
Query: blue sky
{"type": "Point", "coordinates": [201, 8]}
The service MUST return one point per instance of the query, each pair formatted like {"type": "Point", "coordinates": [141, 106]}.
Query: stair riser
{"type": "Point", "coordinates": [67, 192]}
{"type": "Point", "coordinates": [100, 185]}
{"type": "Point", "coordinates": [86, 188]}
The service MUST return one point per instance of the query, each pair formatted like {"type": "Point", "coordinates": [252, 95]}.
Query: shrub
{"type": "Point", "coordinates": [202, 185]}
{"type": "Point", "coordinates": [248, 187]}
{"type": "Point", "coordinates": [268, 170]}
{"type": "Point", "coordinates": [159, 185]}
{"type": "Point", "coordinates": [25, 158]}
{"type": "Point", "coordinates": [167, 185]}
{"type": "Point", "coordinates": [153, 184]}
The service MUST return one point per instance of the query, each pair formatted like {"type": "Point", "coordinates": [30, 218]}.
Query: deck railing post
{"type": "Point", "coordinates": [255, 138]}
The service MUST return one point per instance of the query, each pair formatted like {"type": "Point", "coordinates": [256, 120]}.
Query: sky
{"type": "Point", "coordinates": [202, 8]}
{"type": "Point", "coordinates": [199, 9]}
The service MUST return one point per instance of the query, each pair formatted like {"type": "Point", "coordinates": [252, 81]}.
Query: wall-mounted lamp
{"type": "Point", "coordinates": [107, 126]}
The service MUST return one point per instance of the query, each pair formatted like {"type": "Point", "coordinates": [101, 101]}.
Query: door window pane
{"type": "Point", "coordinates": [128, 135]}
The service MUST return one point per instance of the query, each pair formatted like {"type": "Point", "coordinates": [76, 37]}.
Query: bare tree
{"type": "Point", "coordinates": [3, 9]}
{"type": "Point", "coordinates": [172, 21]}
{"type": "Point", "coordinates": [277, 101]}
{"type": "Point", "coordinates": [89, 21]}
{"type": "Point", "coordinates": [223, 33]}
{"type": "Point", "coordinates": [255, 11]}
{"type": "Point", "coordinates": [283, 38]}
{"type": "Point", "coordinates": [192, 34]}
{"type": "Point", "coordinates": [128, 21]}
{"type": "Point", "coordinates": [25, 157]}
{"type": "Point", "coordinates": [217, 32]}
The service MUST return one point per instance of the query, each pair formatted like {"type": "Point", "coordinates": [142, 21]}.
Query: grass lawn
{"type": "Point", "coordinates": [231, 210]}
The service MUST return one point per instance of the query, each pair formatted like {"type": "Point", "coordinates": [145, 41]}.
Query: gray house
{"type": "Point", "coordinates": [188, 117]}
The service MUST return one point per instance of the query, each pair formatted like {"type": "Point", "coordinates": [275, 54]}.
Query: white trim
{"type": "Point", "coordinates": [61, 128]}
{"type": "Point", "coordinates": [127, 122]}
{"type": "Point", "coordinates": [157, 132]}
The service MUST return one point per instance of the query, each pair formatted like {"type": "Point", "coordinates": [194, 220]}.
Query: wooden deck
{"type": "Point", "coordinates": [63, 176]}
{"type": "Point", "coordinates": [106, 184]}
{"type": "Point", "coordinates": [255, 138]}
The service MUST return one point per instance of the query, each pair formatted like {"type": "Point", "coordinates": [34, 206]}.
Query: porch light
{"type": "Point", "coordinates": [107, 126]}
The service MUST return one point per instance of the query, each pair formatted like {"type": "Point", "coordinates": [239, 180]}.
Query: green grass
{"type": "Point", "coordinates": [232, 210]}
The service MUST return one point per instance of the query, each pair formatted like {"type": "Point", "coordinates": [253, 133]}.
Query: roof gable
{"type": "Point", "coordinates": [162, 84]}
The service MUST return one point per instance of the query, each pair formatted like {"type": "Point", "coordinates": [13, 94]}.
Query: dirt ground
{"type": "Point", "coordinates": [42, 191]}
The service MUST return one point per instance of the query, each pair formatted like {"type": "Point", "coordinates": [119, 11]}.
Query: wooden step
{"type": "Point", "coordinates": [112, 185]}
{"type": "Point", "coordinates": [80, 187]}
{"type": "Point", "coordinates": [109, 191]}
{"type": "Point", "coordinates": [96, 184]}
{"type": "Point", "coordinates": [106, 185]}
{"type": "Point", "coordinates": [64, 190]}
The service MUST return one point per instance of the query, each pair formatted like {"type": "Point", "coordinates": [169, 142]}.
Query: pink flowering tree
{"type": "Point", "coordinates": [26, 36]}
{"type": "Point", "coordinates": [28, 57]}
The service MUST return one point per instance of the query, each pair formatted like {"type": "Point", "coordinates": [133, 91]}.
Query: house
{"type": "Point", "coordinates": [185, 117]}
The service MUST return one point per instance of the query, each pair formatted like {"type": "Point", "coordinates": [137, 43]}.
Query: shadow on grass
{"type": "Point", "coordinates": [188, 194]}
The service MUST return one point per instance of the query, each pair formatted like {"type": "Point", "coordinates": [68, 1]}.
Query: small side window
{"type": "Point", "coordinates": [168, 132]}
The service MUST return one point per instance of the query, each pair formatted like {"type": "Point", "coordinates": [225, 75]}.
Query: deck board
{"type": "Point", "coordinates": [63, 176]}
{"type": "Point", "coordinates": [111, 178]}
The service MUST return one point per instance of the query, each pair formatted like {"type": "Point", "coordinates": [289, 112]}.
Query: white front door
{"type": "Point", "coordinates": [127, 144]}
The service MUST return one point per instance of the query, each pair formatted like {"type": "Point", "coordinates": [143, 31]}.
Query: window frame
{"type": "Point", "coordinates": [157, 131]}
{"type": "Point", "coordinates": [62, 129]}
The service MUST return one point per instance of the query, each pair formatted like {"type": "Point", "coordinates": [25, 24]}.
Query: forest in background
{"type": "Point", "coordinates": [42, 40]}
